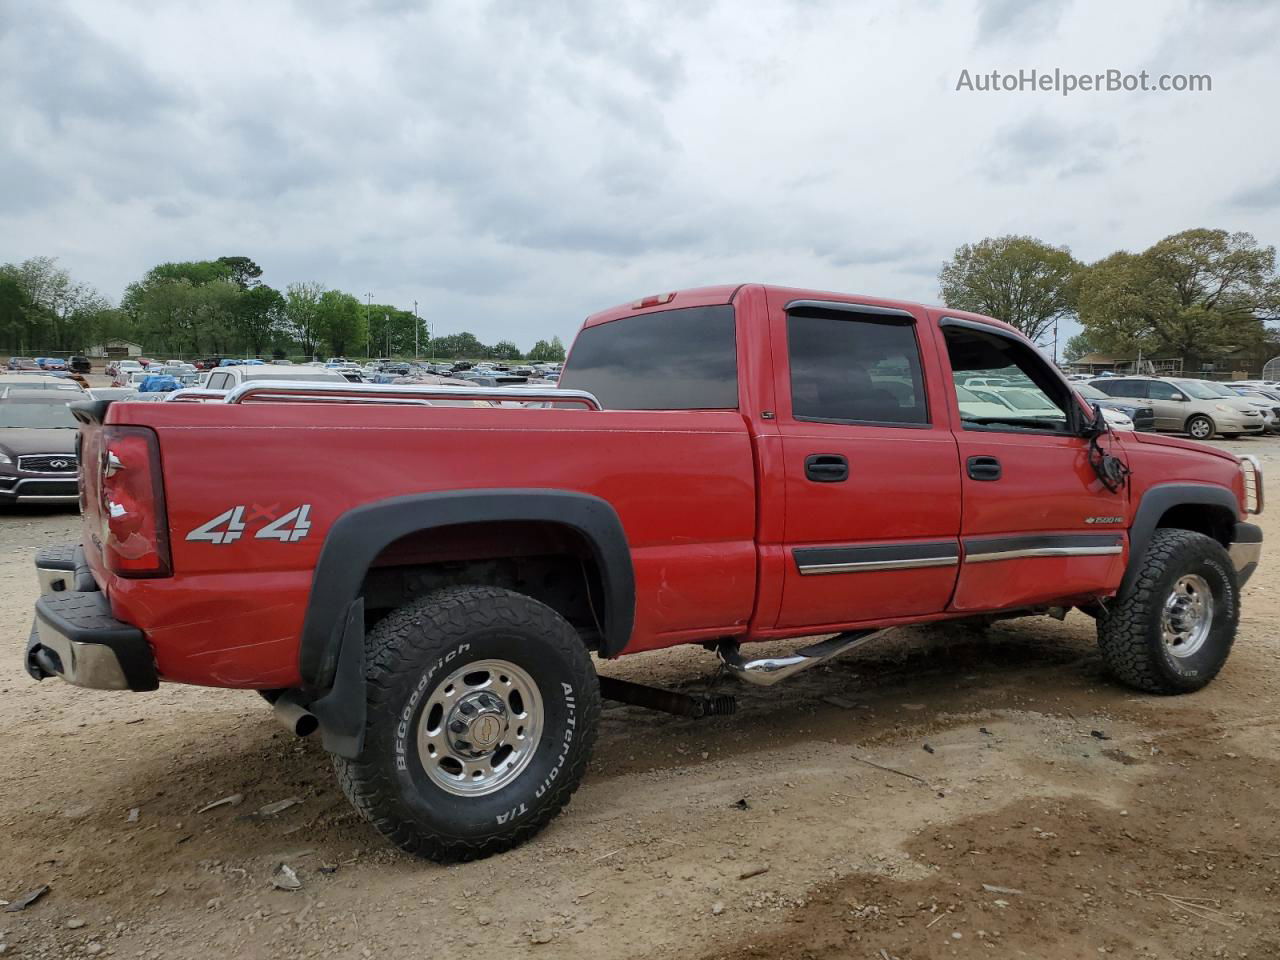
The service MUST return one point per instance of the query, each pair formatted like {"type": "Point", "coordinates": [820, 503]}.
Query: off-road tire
{"type": "Point", "coordinates": [1195, 423]}
{"type": "Point", "coordinates": [409, 653]}
{"type": "Point", "coordinates": [1129, 632]}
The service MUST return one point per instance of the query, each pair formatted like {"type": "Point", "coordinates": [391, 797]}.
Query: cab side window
{"type": "Point", "coordinates": [1004, 385]}
{"type": "Point", "coordinates": [855, 368]}
{"type": "Point", "coordinates": [1159, 390]}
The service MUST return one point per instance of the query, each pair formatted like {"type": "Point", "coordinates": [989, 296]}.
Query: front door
{"type": "Point", "coordinates": [1038, 523]}
{"type": "Point", "coordinates": [871, 476]}
{"type": "Point", "coordinates": [1169, 404]}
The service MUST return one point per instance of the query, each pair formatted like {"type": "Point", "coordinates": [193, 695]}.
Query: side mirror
{"type": "Point", "coordinates": [1180, 397]}
{"type": "Point", "coordinates": [1098, 425]}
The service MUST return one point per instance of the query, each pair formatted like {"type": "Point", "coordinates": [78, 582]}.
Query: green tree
{"type": "Point", "coordinates": [18, 317]}
{"type": "Point", "coordinates": [302, 314]}
{"type": "Point", "coordinates": [1021, 280]}
{"type": "Point", "coordinates": [1190, 295]}
{"type": "Point", "coordinates": [44, 308]}
{"type": "Point", "coordinates": [505, 350]}
{"type": "Point", "coordinates": [391, 330]}
{"type": "Point", "coordinates": [457, 346]}
{"type": "Point", "coordinates": [340, 321]}
{"type": "Point", "coordinates": [260, 315]}
{"type": "Point", "coordinates": [243, 271]}
{"type": "Point", "coordinates": [1078, 346]}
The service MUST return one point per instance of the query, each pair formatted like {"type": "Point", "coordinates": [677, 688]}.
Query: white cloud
{"type": "Point", "coordinates": [514, 166]}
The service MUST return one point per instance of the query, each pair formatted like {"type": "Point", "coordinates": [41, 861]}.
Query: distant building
{"type": "Point", "coordinates": [116, 350]}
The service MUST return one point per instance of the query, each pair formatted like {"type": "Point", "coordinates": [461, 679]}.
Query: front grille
{"type": "Point", "coordinates": [48, 463]}
{"type": "Point", "coordinates": [47, 488]}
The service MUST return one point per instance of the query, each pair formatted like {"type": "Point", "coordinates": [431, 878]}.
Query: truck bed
{"type": "Point", "coordinates": [695, 566]}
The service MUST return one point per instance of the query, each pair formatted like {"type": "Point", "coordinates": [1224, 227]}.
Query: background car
{"type": "Point", "coordinates": [1140, 415]}
{"type": "Point", "coordinates": [38, 449]}
{"type": "Point", "coordinates": [23, 363]}
{"type": "Point", "coordinates": [79, 365]}
{"type": "Point", "coordinates": [121, 370]}
{"type": "Point", "coordinates": [228, 378]}
{"type": "Point", "coordinates": [37, 381]}
{"type": "Point", "coordinates": [1183, 406]}
{"type": "Point", "coordinates": [111, 393]}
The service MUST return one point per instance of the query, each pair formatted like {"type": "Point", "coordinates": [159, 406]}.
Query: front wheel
{"type": "Point", "coordinates": [482, 711]}
{"type": "Point", "coordinates": [1172, 629]}
{"type": "Point", "coordinates": [1200, 427]}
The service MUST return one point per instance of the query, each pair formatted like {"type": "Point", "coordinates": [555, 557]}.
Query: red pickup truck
{"type": "Point", "coordinates": [422, 573]}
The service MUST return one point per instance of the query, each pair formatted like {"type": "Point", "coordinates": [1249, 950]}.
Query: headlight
{"type": "Point", "coordinates": [1224, 409]}
{"type": "Point", "coordinates": [5, 458]}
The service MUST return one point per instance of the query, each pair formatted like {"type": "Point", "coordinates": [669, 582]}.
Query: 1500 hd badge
{"type": "Point", "coordinates": [229, 526]}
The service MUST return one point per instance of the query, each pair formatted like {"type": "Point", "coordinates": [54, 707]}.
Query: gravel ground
{"type": "Point", "coordinates": [942, 794]}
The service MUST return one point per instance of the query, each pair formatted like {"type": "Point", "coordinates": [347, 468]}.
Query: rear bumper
{"type": "Point", "coordinates": [76, 638]}
{"type": "Point", "coordinates": [1246, 550]}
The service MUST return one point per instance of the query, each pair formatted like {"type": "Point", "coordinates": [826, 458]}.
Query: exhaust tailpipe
{"type": "Point", "coordinates": [767, 671]}
{"type": "Point", "coordinates": [296, 718]}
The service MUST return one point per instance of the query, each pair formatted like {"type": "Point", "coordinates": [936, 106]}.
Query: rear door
{"type": "Point", "coordinates": [872, 482]}
{"type": "Point", "coordinates": [1038, 524]}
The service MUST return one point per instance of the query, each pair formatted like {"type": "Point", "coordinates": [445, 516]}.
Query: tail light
{"type": "Point", "coordinates": [135, 526]}
{"type": "Point", "coordinates": [653, 301]}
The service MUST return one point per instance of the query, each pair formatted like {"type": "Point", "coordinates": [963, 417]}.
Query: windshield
{"type": "Point", "coordinates": [41, 416]}
{"type": "Point", "coordinates": [1201, 390]}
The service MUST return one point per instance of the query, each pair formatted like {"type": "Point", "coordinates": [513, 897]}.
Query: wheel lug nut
{"type": "Point", "coordinates": [458, 726]}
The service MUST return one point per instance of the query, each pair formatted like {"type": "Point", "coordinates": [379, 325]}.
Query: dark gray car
{"type": "Point", "coordinates": [38, 449]}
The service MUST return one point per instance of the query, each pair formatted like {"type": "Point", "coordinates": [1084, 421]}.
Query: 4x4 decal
{"type": "Point", "coordinates": [228, 526]}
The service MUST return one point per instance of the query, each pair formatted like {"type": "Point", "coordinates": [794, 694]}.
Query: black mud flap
{"type": "Point", "coordinates": [342, 710]}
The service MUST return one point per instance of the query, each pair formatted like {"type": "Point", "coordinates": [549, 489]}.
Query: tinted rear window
{"type": "Point", "coordinates": [671, 360]}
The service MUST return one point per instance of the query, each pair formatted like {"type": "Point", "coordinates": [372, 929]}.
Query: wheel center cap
{"type": "Point", "coordinates": [486, 730]}
{"type": "Point", "coordinates": [477, 724]}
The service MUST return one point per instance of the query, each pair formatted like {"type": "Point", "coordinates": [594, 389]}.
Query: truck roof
{"type": "Point", "coordinates": [725, 293]}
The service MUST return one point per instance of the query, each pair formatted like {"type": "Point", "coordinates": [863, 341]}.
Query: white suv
{"type": "Point", "coordinates": [228, 378]}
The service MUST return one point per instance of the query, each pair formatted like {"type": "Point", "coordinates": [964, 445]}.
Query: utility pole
{"type": "Point", "coordinates": [368, 330]}
{"type": "Point", "coordinates": [1055, 341]}
{"type": "Point", "coordinates": [415, 329]}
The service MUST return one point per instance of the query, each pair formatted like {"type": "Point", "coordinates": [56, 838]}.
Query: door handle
{"type": "Point", "coordinates": [826, 468]}
{"type": "Point", "coordinates": [983, 468]}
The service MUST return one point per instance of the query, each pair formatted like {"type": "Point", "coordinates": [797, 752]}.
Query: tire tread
{"type": "Point", "coordinates": [397, 645]}
{"type": "Point", "coordinates": [1123, 630]}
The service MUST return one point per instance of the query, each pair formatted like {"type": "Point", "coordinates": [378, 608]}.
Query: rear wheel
{"type": "Point", "coordinates": [482, 711]}
{"type": "Point", "coordinates": [1172, 629]}
{"type": "Point", "coordinates": [1200, 427]}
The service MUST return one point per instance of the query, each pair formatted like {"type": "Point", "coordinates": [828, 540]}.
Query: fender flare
{"type": "Point", "coordinates": [359, 535]}
{"type": "Point", "coordinates": [1156, 502]}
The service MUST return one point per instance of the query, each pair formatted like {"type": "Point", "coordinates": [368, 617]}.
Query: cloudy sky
{"type": "Point", "coordinates": [513, 166]}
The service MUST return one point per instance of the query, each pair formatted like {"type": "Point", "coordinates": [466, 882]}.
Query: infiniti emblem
{"type": "Point", "coordinates": [59, 464]}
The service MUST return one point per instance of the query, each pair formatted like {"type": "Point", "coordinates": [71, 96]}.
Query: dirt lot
{"type": "Point", "coordinates": [944, 794]}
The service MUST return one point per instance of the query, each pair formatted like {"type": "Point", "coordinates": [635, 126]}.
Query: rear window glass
{"type": "Point", "coordinates": [671, 360]}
